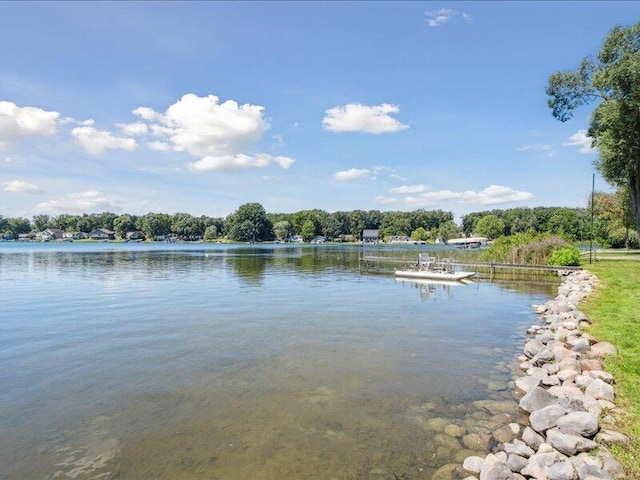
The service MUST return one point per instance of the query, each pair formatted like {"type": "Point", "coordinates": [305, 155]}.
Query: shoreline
{"type": "Point", "coordinates": [566, 399]}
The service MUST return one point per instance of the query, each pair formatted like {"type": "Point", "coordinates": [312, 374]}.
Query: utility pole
{"type": "Point", "coordinates": [593, 186]}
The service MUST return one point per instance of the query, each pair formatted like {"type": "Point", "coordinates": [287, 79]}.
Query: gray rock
{"type": "Point", "coordinates": [609, 437]}
{"type": "Point", "coordinates": [562, 471]}
{"type": "Point", "coordinates": [567, 375]}
{"type": "Point", "coordinates": [538, 465]}
{"type": "Point", "coordinates": [571, 364]}
{"type": "Point", "coordinates": [477, 441]}
{"type": "Point", "coordinates": [560, 353]}
{"type": "Point", "coordinates": [532, 347]}
{"type": "Point", "coordinates": [531, 438]}
{"type": "Point", "coordinates": [579, 423]}
{"type": "Point", "coordinates": [546, 417]}
{"type": "Point", "coordinates": [581, 345]}
{"type": "Point", "coordinates": [551, 380]}
{"type": "Point", "coordinates": [544, 355]}
{"type": "Point", "coordinates": [591, 364]}
{"type": "Point", "coordinates": [473, 464]}
{"type": "Point", "coordinates": [583, 381]}
{"type": "Point", "coordinates": [504, 434]}
{"type": "Point", "coordinates": [516, 463]}
{"type": "Point", "coordinates": [519, 448]}
{"type": "Point", "coordinates": [599, 389]}
{"type": "Point", "coordinates": [455, 430]}
{"type": "Point", "coordinates": [602, 375]}
{"type": "Point", "coordinates": [590, 472]}
{"type": "Point", "coordinates": [535, 399]}
{"type": "Point", "coordinates": [602, 349]}
{"type": "Point", "coordinates": [493, 468]}
{"type": "Point", "coordinates": [552, 368]}
{"type": "Point", "coordinates": [611, 465]}
{"type": "Point", "coordinates": [568, 443]}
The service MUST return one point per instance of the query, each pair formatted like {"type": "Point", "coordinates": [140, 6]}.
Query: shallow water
{"type": "Point", "coordinates": [226, 362]}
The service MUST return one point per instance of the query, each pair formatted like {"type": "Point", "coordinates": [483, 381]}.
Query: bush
{"type": "Point", "coordinates": [565, 256]}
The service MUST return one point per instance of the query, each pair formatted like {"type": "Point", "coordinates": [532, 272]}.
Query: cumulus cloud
{"type": "Point", "coordinates": [355, 117]}
{"type": "Point", "coordinates": [492, 195]}
{"type": "Point", "coordinates": [407, 189]}
{"type": "Point", "coordinates": [351, 174]}
{"type": "Point", "coordinates": [541, 148]}
{"type": "Point", "coordinates": [220, 135]}
{"type": "Point", "coordinates": [19, 122]}
{"type": "Point", "coordinates": [133, 129]}
{"type": "Point", "coordinates": [581, 140]}
{"type": "Point", "coordinates": [381, 199]}
{"type": "Point", "coordinates": [435, 18]}
{"type": "Point", "coordinates": [18, 186]}
{"type": "Point", "coordinates": [83, 202]}
{"type": "Point", "coordinates": [96, 142]}
{"type": "Point", "coordinates": [229, 163]}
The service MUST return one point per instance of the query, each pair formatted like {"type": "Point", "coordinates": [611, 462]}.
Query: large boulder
{"type": "Point", "coordinates": [568, 443]}
{"type": "Point", "coordinates": [546, 417]}
{"type": "Point", "coordinates": [579, 423]}
{"type": "Point", "coordinates": [536, 399]}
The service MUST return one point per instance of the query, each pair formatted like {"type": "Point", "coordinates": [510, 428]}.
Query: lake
{"type": "Point", "coordinates": [246, 361]}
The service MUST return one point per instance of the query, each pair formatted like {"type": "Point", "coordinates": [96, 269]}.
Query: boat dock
{"type": "Point", "coordinates": [369, 261]}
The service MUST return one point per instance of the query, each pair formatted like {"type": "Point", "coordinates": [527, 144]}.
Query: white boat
{"type": "Point", "coordinates": [433, 275]}
{"type": "Point", "coordinates": [432, 269]}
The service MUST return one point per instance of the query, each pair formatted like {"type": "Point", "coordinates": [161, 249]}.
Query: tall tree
{"type": "Point", "coordinates": [612, 79]}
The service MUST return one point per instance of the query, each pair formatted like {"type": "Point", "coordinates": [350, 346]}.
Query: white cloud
{"type": "Point", "coordinates": [133, 129]}
{"type": "Point", "coordinates": [580, 139]}
{"type": "Point", "coordinates": [84, 202]}
{"type": "Point", "coordinates": [229, 163]}
{"type": "Point", "coordinates": [219, 135]}
{"type": "Point", "coordinates": [542, 148]}
{"type": "Point", "coordinates": [96, 142]}
{"type": "Point", "coordinates": [493, 194]}
{"type": "Point", "coordinates": [355, 117]}
{"type": "Point", "coordinates": [381, 199]}
{"type": "Point", "coordinates": [351, 174]}
{"type": "Point", "coordinates": [18, 122]}
{"type": "Point", "coordinates": [18, 186]}
{"type": "Point", "coordinates": [159, 146]}
{"type": "Point", "coordinates": [435, 18]}
{"type": "Point", "coordinates": [405, 189]}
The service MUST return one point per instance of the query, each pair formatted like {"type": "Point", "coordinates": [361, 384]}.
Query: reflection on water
{"type": "Point", "coordinates": [252, 362]}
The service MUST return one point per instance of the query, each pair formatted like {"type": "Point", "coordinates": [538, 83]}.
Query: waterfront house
{"type": "Point", "coordinates": [52, 234]}
{"type": "Point", "coordinates": [102, 234]}
{"type": "Point", "coordinates": [135, 236]}
{"type": "Point", "coordinates": [370, 236]}
{"type": "Point", "coordinates": [75, 235]}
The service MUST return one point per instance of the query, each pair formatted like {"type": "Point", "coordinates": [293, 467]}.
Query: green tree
{"type": "Point", "coordinates": [16, 226]}
{"type": "Point", "coordinates": [249, 219]}
{"type": "Point", "coordinates": [613, 80]}
{"type": "Point", "coordinates": [123, 224]}
{"type": "Point", "coordinates": [308, 231]}
{"type": "Point", "coordinates": [154, 224]}
{"type": "Point", "coordinates": [282, 230]}
{"type": "Point", "coordinates": [419, 235]}
{"type": "Point", "coordinates": [210, 233]}
{"type": "Point", "coordinates": [41, 222]}
{"type": "Point", "coordinates": [448, 230]}
{"type": "Point", "coordinates": [490, 226]}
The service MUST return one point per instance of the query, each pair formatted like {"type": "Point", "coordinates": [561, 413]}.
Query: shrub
{"type": "Point", "coordinates": [565, 256]}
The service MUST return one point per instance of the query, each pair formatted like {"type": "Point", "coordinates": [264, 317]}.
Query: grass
{"type": "Point", "coordinates": [615, 311]}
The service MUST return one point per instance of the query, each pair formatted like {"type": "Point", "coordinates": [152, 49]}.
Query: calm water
{"type": "Point", "coordinates": [226, 362]}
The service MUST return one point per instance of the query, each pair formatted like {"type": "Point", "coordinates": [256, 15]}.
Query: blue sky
{"type": "Point", "coordinates": [201, 107]}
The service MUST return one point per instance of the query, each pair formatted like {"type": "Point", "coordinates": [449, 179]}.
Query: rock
{"type": "Point", "coordinates": [567, 375]}
{"type": "Point", "coordinates": [497, 386]}
{"type": "Point", "coordinates": [568, 443]}
{"type": "Point", "coordinates": [611, 465]}
{"type": "Point", "coordinates": [590, 472]}
{"type": "Point", "coordinates": [579, 423]}
{"type": "Point", "coordinates": [560, 353]}
{"type": "Point", "coordinates": [602, 349]}
{"type": "Point", "coordinates": [536, 399]}
{"type": "Point", "coordinates": [591, 364]}
{"type": "Point", "coordinates": [477, 441]}
{"type": "Point", "coordinates": [562, 471]}
{"type": "Point", "coordinates": [519, 448]}
{"type": "Point", "coordinates": [495, 469]}
{"type": "Point", "coordinates": [450, 443]}
{"type": "Point", "coordinates": [551, 380]}
{"type": "Point", "coordinates": [436, 424]}
{"type": "Point", "coordinates": [599, 389]}
{"type": "Point", "coordinates": [602, 375]}
{"type": "Point", "coordinates": [532, 347]}
{"type": "Point", "coordinates": [571, 364]}
{"type": "Point", "coordinates": [539, 464]}
{"type": "Point", "coordinates": [504, 434]}
{"type": "Point", "coordinates": [516, 463]}
{"type": "Point", "coordinates": [583, 381]}
{"type": "Point", "coordinates": [446, 472]}
{"type": "Point", "coordinates": [473, 464]}
{"type": "Point", "coordinates": [609, 437]}
{"type": "Point", "coordinates": [581, 345]}
{"type": "Point", "coordinates": [455, 430]}
{"type": "Point", "coordinates": [546, 417]}
{"type": "Point", "coordinates": [531, 438]}
{"type": "Point", "coordinates": [544, 355]}
{"type": "Point", "coordinates": [552, 368]}
{"type": "Point", "coordinates": [565, 391]}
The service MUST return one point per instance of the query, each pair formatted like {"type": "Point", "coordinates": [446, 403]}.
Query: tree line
{"type": "Point", "coordinates": [250, 222]}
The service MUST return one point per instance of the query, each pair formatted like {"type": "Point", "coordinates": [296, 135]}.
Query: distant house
{"type": "Point", "coordinates": [52, 234]}
{"type": "Point", "coordinates": [296, 239]}
{"type": "Point", "coordinates": [347, 238]}
{"type": "Point", "coordinates": [135, 236]}
{"type": "Point", "coordinates": [75, 235]}
{"type": "Point", "coordinates": [370, 236]}
{"type": "Point", "coordinates": [319, 239]}
{"type": "Point", "coordinates": [397, 239]}
{"type": "Point", "coordinates": [102, 234]}
{"type": "Point", "coordinates": [469, 242]}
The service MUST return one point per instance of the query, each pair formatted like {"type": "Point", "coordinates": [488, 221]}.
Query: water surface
{"type": "Point", "coordinates": [236, 362]}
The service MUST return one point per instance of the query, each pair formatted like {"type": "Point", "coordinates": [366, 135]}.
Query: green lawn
{"type": "Point", "coordinates": [615, 311]}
